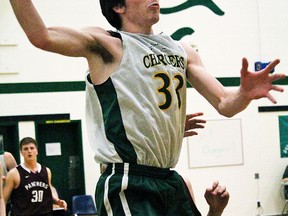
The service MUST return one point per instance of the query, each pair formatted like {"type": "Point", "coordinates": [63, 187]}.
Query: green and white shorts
{"type": "Point", "coordinates": [130, 189]}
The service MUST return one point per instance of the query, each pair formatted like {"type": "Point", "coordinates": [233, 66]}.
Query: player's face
{"type": "Point", "coordinates": [29, 151]}
{"type": "Point", "coordinates": [142, 12]}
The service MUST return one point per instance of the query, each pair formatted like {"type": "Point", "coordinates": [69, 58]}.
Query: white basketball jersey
{"type": "Point", "coordinates": [138, 114]}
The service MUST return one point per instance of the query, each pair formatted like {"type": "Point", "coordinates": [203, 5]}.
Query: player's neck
{"type": "Point", "coordinates": [31, 165]}
{"type": "Point", "coordinates": [147, 30]}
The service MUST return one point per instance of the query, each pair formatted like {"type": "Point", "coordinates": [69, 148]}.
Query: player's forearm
{"type": "Point", "coordinates": [214, 212]}
{"type": "Point", "coordinates": [2, 207]}
{"type": "Point", "coordinates": [227, 101]}
{"type": "Point", "coordinates": [30, 20]}
{"type": "Point", "coordinates": [233, 102]}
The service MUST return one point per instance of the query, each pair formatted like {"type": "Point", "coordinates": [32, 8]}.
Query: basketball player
{"type": "Point", "coordinates": [8, 163]}
{"type": "Point", "coordinates": [2, 203]}
{"type": "Point", "coordinates": [29, 185]}
{"type": "Point", "coordinates": [136, 101]}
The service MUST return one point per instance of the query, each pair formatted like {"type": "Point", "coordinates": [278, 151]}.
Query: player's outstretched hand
{"type": "Point", "coordinates": [217, 198]}
{"type": "Point", "coordinates": [256, 85]}
{"type": "Point", "coordinates": [192, 123]}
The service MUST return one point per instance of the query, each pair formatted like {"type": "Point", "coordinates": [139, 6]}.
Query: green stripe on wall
{"type": "Point", "coordinates": [18, 88]}
{"type": "Point", "coordinates": [231, 81]}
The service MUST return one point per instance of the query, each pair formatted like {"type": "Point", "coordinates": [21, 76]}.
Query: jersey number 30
{"type": "Point", "coordinates": [37, 196]}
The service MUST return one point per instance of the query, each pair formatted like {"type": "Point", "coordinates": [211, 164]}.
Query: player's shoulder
{"type": "Point", "coordinates": [105, 39]}
{"type": "Point", "coordinates": [94, 30]}
{"type": "Point", "coordinates": [7, 154]}
{"type": "Point", "coordinates": [47, 169]}
{"type": "Point", "coordinates": [13, 173]}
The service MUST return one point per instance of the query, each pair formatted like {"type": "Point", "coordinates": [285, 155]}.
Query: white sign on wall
{"type": "Point", "coordinates": [53, 149]}
{"type": "Point", "coordinates": [219, 144]}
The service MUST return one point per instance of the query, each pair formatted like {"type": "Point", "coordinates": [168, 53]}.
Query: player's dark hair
{"type": "Point", "coordinates": [107, 10]}
{"type": "Point", "coordinates": [27, 140]}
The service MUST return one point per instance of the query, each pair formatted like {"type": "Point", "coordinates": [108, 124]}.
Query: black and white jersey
{"type": "Point", "coordinates": [33, 196]}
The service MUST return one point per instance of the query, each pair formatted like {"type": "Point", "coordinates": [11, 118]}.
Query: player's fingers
{"type": "Point", "coordinates": [277, 88]}
{"type": "Point", "coordinates": [271, 98]}
{"type": "Point", "coordinates": [190, 133]}
{"type": "Point", "coordinates": [272, 65]}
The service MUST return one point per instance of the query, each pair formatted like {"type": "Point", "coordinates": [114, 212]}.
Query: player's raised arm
{"type": "Point", "coordinates": [103, 52]}
{"type": "Point", "coordinates": [60, 40]}
{"type": "Point", "coordinates": [226, 101]}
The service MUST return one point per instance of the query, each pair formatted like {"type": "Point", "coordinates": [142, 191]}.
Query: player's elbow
{"type": "Point", "coordinates": [226, 112]}
{"type": "Point", "coordinates": [227, 108]}
{"type": "Point", "coordinates": [41, 42]}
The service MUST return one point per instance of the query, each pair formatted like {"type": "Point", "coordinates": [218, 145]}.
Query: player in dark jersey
{"type": "Point", "coordinates": [29, 185]}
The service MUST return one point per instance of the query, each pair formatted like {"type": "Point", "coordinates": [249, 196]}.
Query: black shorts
{"type": "Point", "coordinates": [129, 189]}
